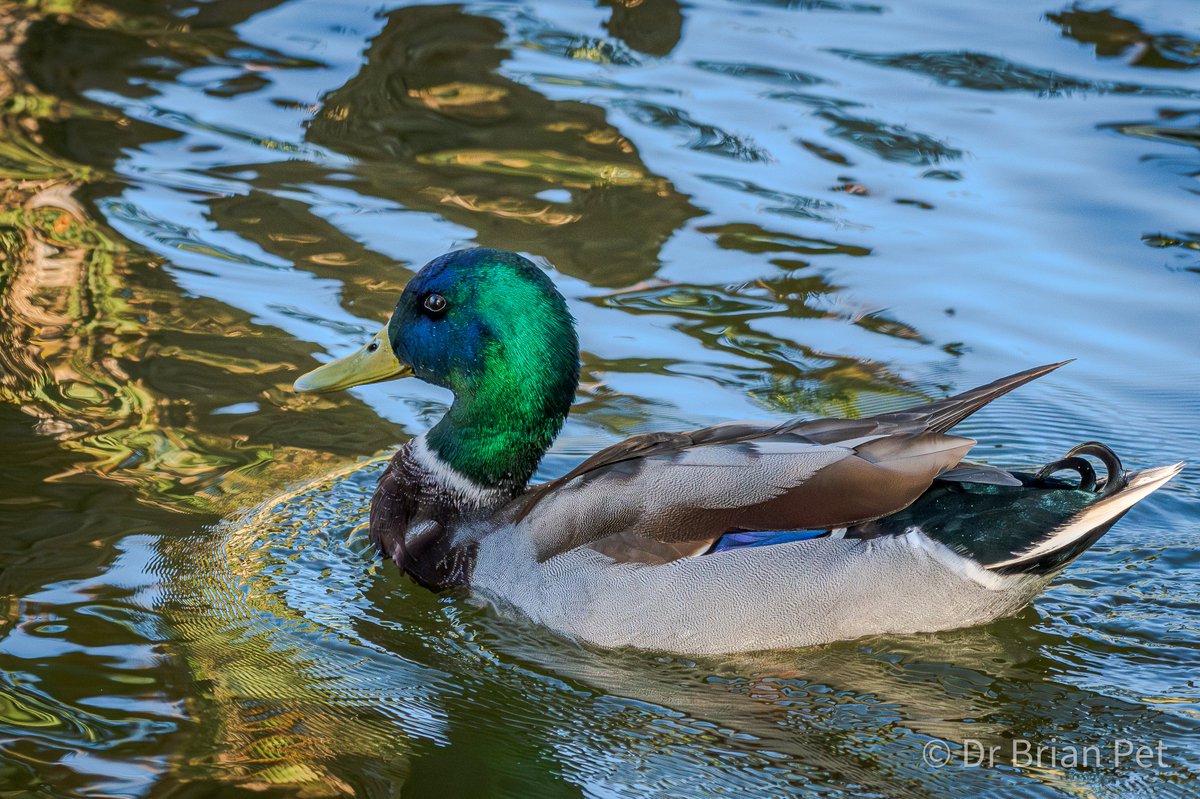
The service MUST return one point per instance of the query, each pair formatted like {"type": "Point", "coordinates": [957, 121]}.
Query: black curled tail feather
{"type": "Point", "coordinates": [1116, 496]}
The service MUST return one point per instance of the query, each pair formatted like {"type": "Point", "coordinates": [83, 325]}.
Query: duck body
{"type": "Point", "coordinates": [738, 537]}
{"type": "Point", "coordinates": [770, 597]}
{"type": "Point", "coordinates": [963, 553]}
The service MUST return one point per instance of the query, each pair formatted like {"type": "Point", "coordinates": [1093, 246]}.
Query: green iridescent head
{"type": "Point", "coordinates": [491, 327]}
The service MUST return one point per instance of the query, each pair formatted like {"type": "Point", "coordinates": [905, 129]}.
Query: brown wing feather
{"type": "Point", "coordinates": [937, 416]}
{"type": "Point", "coordinates": [868, 468]}
{"type": "Point", "coordinates": [944, 414]}
{"type": "Point", "coordinates": [645, 445]}
{"type": "Point", "coordinates": [774, 483]}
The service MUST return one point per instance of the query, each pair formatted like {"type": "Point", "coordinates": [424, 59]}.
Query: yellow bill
{"type": "Point", "coordinates": [373, 362]}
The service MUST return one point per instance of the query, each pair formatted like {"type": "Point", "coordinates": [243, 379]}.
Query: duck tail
{"type": "Point", "coordinates": [1118, 493]}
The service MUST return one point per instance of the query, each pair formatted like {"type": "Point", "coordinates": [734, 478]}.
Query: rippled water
{"type": "Point", "coordinates": [756, 209]}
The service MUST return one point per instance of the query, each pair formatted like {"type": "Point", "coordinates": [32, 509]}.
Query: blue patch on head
{"type": "Point", "coordinates": [764, 539]}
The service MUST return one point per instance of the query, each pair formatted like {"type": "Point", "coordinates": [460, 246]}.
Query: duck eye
{"type": "Point", "coordinates": [435, 303]}
{"type": "Point", "coordinates": [374, 345]}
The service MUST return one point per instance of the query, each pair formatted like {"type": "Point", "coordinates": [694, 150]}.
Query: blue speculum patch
{"type": "Point", "coordinates": [763, 539]}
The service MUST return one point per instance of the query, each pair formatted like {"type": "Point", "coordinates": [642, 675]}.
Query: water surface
{"type": "Point", "coordinates": [755, 210]}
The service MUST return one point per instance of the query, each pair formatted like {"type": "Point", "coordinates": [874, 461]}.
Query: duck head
{"type": "Point", "coordinates": [491, 327]}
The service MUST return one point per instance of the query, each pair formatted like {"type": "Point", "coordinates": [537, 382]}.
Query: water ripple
{"type": "Point", "coordinates": [984, 72]}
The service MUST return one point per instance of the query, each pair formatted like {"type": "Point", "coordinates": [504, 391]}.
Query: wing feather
{"type": "Point", "coordinates": [697, 494]}
{"type": "Point", "coordinates": [684, 490]}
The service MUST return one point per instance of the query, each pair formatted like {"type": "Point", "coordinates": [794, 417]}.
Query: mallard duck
{"type": "Point", "coordinates": [737, 537]}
